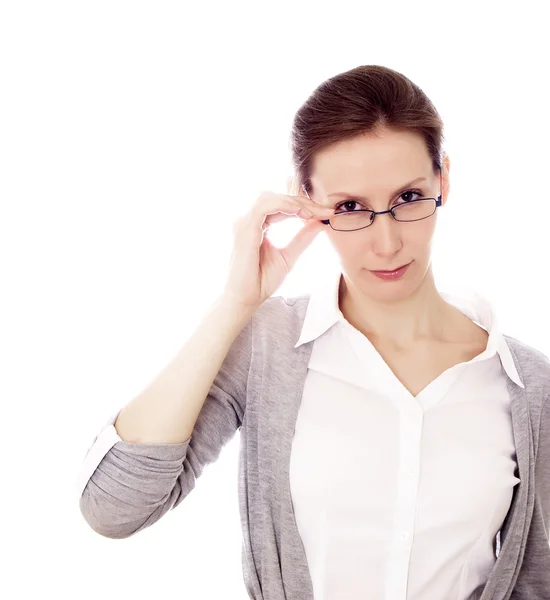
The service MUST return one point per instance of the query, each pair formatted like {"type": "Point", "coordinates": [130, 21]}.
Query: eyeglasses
{"type": "Point", "coordinates": [414, 210]}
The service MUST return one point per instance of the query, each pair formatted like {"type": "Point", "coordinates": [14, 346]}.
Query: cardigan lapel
{"type": "Point", "coordinates": [516, 525]}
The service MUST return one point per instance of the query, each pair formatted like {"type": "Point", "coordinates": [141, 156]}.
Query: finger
{"type": "Point", "coordinates": [272, 208]}
{"type": "Point", "coordinates": [307, 201]}
{"type": "Point", "coordinates": [311, 205]}
{"type": "Point", "coordinates": [300, 209]}
{"type": "Point", "coordinates": [304, 214]}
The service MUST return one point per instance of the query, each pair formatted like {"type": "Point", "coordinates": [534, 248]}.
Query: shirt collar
{"type": "Point", "coordinates": [323, 312]}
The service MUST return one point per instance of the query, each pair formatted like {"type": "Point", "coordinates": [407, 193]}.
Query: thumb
{"type": "Point", "coordinates": [301, 241]}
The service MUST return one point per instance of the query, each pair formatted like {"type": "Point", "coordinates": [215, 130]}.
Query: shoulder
{"type": "Point", "coordinates": [531, 363]}
{"type": "Point", "coordinates": [524, 351]}
{"type": "Point", "coordinates": [279, 318]}
{"type": "Point", "coordinates": [280, 309]}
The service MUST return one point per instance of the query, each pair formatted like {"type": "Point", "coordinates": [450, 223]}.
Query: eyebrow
{"type": "Point", "coordinates": [406, 185]}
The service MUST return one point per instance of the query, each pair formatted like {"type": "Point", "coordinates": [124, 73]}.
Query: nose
{"type": "Point", "coordinates": [385, 233]}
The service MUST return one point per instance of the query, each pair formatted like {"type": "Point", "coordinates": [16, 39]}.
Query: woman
{"type": "Point", "coordinates": [394, 443]}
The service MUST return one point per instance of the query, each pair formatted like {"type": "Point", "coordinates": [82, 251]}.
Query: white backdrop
{"type": "Point", "coordinates": [120, 120]}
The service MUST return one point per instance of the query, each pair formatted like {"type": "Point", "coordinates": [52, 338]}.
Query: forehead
{"type": "Point", "coordinates": [371, 161]}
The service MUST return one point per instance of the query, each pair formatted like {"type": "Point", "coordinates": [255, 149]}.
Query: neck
{"type": "Point", "coordinates": [423, 316]}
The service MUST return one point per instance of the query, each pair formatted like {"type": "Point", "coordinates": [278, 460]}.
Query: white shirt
{"type": "Point", "coordinates": [103, 442]}
{"type": "Point", "coordinates": [376, 509]}
{"type": "Point", "coordinates": [442, 464]}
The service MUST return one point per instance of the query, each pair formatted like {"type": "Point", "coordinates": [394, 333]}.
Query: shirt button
{"type": "Point", "coordinates": [404, 535]}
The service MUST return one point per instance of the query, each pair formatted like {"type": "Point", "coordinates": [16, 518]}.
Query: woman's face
{"type": "Point", "coordinates": [375, 170]}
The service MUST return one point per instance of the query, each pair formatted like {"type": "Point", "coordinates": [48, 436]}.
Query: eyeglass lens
{"type": "Point", "coordinates": [408, 211]}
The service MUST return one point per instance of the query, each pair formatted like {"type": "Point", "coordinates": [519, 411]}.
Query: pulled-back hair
{"type": "Point", "coordinates": [359, 101]}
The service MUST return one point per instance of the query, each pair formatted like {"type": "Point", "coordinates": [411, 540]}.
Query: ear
{"type": "Point", "coordinates": [445, 179]}
{"type": "Point", "coordinates": [292, 186]}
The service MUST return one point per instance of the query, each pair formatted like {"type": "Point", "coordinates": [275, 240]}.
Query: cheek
{"type": "Point", "coordinates": [419, 233]}
{"type": "Point", "coordinates": [345, 245]}
{"type": "Point", "coordinates": [416, 237]}
{"type": "Point", "coordinates": [427, 235]}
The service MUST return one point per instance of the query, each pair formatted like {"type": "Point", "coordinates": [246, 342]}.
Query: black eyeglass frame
{"type": "Point", "coordinates": [438, 202]}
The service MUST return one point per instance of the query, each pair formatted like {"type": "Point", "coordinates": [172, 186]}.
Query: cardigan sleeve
{"type": "Point", "coordinates": [533, 579]}
{"type": "Point", "coordinates": [134, 485]}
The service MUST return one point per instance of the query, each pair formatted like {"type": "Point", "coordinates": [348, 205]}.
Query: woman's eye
{"type": "Point", "coordinates": [414, 192]}
{"type": "Point", "coordinates": [405, 196]}
{"type": "Point", "coordinates": [346, 204]}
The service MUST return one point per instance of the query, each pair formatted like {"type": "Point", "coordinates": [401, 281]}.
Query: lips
{"type": "Point", "coordinates": [392, 270]}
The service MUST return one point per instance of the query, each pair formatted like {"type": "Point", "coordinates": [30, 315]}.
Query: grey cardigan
{"type": "Point", "coordinates": [258, 391]}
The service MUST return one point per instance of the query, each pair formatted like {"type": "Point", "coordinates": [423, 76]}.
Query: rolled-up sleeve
{"type": "Point", "coordinates": [124, 487]}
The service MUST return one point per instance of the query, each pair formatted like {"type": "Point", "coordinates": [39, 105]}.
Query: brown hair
{"type": "Point", "coordinates": [361, 101]}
